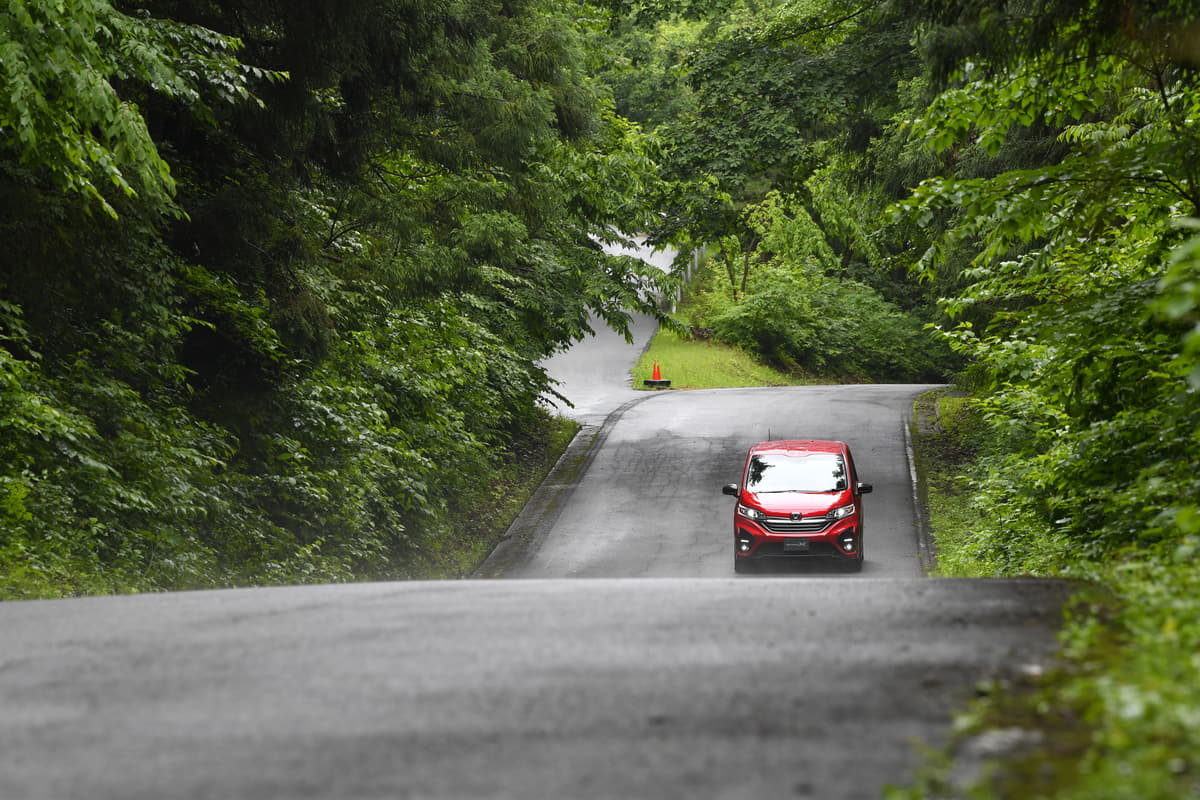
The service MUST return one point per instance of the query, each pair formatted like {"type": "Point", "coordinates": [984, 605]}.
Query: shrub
{"type": "Point", "coordinates": [806, 321]}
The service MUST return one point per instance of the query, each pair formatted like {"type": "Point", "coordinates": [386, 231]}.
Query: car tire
{"type": "Point", "coordinates": [743, 566]}
{"type": "Point", "coordinates": [856, 564]}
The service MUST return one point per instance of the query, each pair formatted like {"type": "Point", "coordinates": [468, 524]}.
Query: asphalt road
{"type": "Point", "coordinates": [594, 374]}
{"type": "Point", "coordinates": [643, 497]}
{"type": "Point", "coordinates": [607, 688]}
{"type": "Point", "coordinates": [619, 658]}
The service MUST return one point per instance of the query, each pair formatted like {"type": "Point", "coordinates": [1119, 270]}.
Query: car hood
{"type": "Point", "coordinates": [784, 503]}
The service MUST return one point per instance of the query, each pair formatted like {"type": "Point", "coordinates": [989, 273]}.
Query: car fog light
{"type": "Point", "coordinates": [745, 540]}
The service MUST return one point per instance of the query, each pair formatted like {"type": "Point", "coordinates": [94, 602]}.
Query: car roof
{"type": "Point", "coordinates": [798, 447]}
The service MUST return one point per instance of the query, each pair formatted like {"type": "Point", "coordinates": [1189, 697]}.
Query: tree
{"type": "Point", "coordinates": [63, 112]}
{"type": "Point", "coordinates": [782, 104]}
{"type": "Point", "coordinates": [1082, 356]}
{"type": "Point", "coordinates": [307, 328]}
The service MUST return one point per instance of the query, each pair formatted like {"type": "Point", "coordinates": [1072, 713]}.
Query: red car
{"type": "Point", "coordinates": [799, 498]}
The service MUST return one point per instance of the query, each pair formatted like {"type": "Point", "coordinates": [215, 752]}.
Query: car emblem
{"type": "Point", "coordinates": [796, 517]}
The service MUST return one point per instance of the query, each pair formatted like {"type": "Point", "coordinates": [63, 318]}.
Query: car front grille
{"type": "Point", "coordinates": [786, 525]}
{"type": "Point", "coordinates": [775, 549]}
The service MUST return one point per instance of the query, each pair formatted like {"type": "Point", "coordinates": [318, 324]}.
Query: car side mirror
{"type": "Point", "coordinates": [865, 488]}
{"type": "Point", "coordinates": [730, 489]}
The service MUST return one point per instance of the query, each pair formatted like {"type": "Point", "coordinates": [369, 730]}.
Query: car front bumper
{"type": "Point", "coordinates": [840, 541]}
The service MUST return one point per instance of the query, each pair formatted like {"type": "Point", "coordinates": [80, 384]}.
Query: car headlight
{"type": "Point", "coordinates": [750, 513]}
{"type": "Point", "coordinates": [840, 513]}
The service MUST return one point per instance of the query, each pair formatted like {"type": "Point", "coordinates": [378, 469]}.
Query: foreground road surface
{"type": "Point", "coordinates": [652, 688]}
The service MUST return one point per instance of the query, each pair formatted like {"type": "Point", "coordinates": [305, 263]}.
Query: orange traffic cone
{"type": "Point", "coordinates": [655, 381]}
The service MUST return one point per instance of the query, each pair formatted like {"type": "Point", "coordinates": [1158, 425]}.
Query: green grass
{"type": "Point", "coordinates": [463, 550]}
{"type": "Point", "coordinates": [945, 440]}
{"type": "Point", "coordinates": [700, 364]}
{"type": "Point", "coordinates": [1118, 716]}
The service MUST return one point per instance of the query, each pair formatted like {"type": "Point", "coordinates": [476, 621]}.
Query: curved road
{"type": "Point", "coordinates": [684, 683]}
{"type": "Point", "coordinates": [594, 374]}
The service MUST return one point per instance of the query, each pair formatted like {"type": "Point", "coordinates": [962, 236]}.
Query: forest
{"type": "Point", "coordinates": [276, 279]}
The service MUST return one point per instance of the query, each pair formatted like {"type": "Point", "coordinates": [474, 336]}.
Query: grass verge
{"type": "Point", "coordinates": [1118, 716]}
{"type": "Point", "coordinates": [490, 516]}
{"type": "Point", "coordinates": [946, 438]}
{"type": "Point", "coordinates": [700, 364]}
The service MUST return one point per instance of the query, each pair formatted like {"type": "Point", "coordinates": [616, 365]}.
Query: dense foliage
{"type": "Point", "coordinates": [276, 279]}
{"type": "Point", "coordinates": [767, 115]}
{"type": "Point", "coordinates": [1078, 293]}
{"type": "Point", "coordinates": [1079, 312]}
{"type": "Point", "coordinates": [788, 302]}
{"type": "Point", "coordinates": [1033, 165]}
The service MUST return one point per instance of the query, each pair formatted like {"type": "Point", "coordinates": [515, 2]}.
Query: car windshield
{"type": "Point", "coordinates": [808, 472]}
